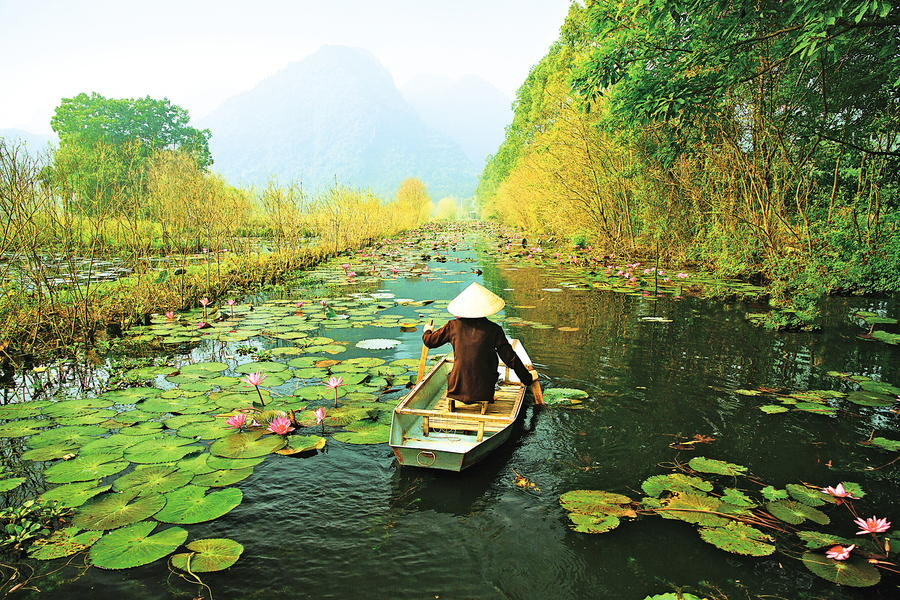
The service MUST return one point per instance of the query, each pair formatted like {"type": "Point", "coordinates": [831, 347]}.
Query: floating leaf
{"type": "Point", "coordinates": [674, 482]}
{"type": "Point", "coordinates": [886, 444]}
{"type": "Point", "coordinates": [737, 497]}
{"type": "Point", "coordinates": [864, 398]}
{"type": "Point", "coordinates": [162, 449]}
{"type": "Point", "coordinates": [247, 445]}
{"type": "Point", "coordinates": [11, 483]}
{"type": "Point", "coordinates": [85, 468]}
{"type": "Point", "coordinates": [815, 539]}
{"type": "Point", "coordinates": [772, 409]}
{"type": "Point", "coordinates": [211, 554]}
{"type": "Point", "coordinates": [693, 508]}
{"type": "Point", "coordinates": [64, 542]}
{"type": "Point", "coordinates": [796, 512]}
{"type": "Point", "coordinates": [218, 462]}
{"type": "Point", "coordinates": [377, 344]}
{"type": "Point", "coordinates": [808, 496]}
{"type": "Point", "coordinates": [718, 467]}
{"type": "Point", "coordinates": [133, 546]}
{"type": "Point", "coordinates": [73, 494]}
{"type": "Point", "coordinates": [597, 503]}
{"type": "Point", "coordinates": [770, 493]}
{"type": "Point", "coordinates": [593, 524]}
{"type": "Point", "coordinates": [554, 396]}
{"type": "Point", "coordinates": [153, 479]}
{"type": "Point", "coordinates": [371, 433]}
{"type": "Point", "coordinates": [17, 429]}
{"type": "Point", "coordinates": [112, 511]}
{"type": "Point", "coordinates": [191, 504]}
{"type": "Point", "coordinates": [855, 571]}
{"type": "Point", "coordinates": [223, 477]}
{"type": "Point", "coordinates": [298, 444]}
{"type": "Point", "coordinates": [739, 538]}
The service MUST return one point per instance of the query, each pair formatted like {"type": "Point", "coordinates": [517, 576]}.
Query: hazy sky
{"type": "Point", "coordinates": [197, 53]}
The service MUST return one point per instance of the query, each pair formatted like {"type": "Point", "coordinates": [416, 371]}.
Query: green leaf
{"type": "Point", "coordinates": [718, 467]}
{"type": "Point", "coordinates": [64, 542]}
{"type": "Point", "coordinates": [85, 468]}
{"type": "Point", "coordinates": [162, 449]}
{"type": "Point", "coordinates": [133, 546]}
{"type": "Point", "coordinates": [809, 496]}
{"type": "Point", "coordinates": [247, 445]}
{"type": "Point", "coordinates": [191, 504]}
{"type": "Point", "coordinates": [154, 479]}
{"type": "Point", "coordinates": [212, 554]}
{"type": "Point", "coordinates": [796, 512]}
{"type": "Point", "coordinates": [112, 511]}
{"type": "Point", "coordinates": [674, 482]}
{"type": "Point", "coordinates": [73, 494]}
{"type": "Point", "coordinates": [222, 478]}
{"type": "Point", "coordinates": [770, 493]}
{"type": "Point", "coordinates": [815, 539]}
{"type": "Point", "coordinates": [739, 538]}
{"type": "Point", "coordinates": [853, 572]}
{"type": "Point", "coordinates": [597, 503]}
{"type": "Point", "coordinates": [693, 508]}
{"type": "Point", "coordinates": [593, 524]}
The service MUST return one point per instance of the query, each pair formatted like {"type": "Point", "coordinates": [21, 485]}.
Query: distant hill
{"type": "Point", "coordinates": [470, 110]}
{"type": "Point", "coordinates": [334, 115]}
{"type": "Point", "coordinates": [34, 142]}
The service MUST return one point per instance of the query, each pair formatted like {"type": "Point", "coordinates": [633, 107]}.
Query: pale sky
{"type": "Point", "coordinates": [197, 53]}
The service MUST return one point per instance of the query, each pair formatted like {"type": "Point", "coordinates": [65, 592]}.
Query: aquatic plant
{"type": "Point", "coordinates": [332, 384]}
{"type": "Point", "coordinates": [255, 379]}
{"type": "Point", "coordinates": [731, 520]}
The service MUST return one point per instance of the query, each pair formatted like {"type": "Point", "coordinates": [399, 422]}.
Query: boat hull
{"type": "Point", "coordinates": [425, 433]}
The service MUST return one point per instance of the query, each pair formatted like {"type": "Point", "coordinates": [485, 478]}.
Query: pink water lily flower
{"type": "Point", "coordinates": [280, 425]}
{"type": "Point", "coordinates": [320, 415]}
{"type": "Point", "coordinates": [236, 421]}
{"type": "Point", "coordinates": [253, 379]}
{"type": "Point", "coordinates": [872, 525]}
{"type": "Point", "coordinates": [840, 552]}
{"type": "Point", "coordinates": [204, 301]}
{"type": "Point", "coordinates": [334, 382]}
{"type": "Point", "coordinates": [838, 493]}
{"type": "Point", "coordinates": [170, 314]}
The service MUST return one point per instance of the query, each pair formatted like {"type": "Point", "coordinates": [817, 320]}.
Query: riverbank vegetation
{"type": "Point", "coordinates": [760, 143]}
{"type": "Point", "coordinates": [86, 250]}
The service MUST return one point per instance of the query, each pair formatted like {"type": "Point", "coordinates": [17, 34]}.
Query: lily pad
{"type": "Point", "coordinates": [693, 508]}
{"type": "Point", "coordinates": [865, 398]}
{"type": "Point", "coordinates": [739, 538]}
{"type": "Point", "coordinates": [112, 511]}
{"type": "Point", "coordinates": [585, 523]}
{"type": "Point", "coordinates": [298, 444]}
{"type": "Point", "coordinates": [223, 477]}
{"type": "Point", "coordinates": [64, 542]}
{"type": "Point", "coordinates": [377, 344]}
{"type": "Point", "coordinates": [796, 512]}
{"type": "Point", "coordinates": [191, 504]}
{"type": "Point", "coordinates": [85, 468]}
{"type": "Point", "coordinates": [153, 479]}
{"type": "Point", "coordinates": [854, 572]}
{"type": "Point", "coordinates": [247, 445]}
{"type": "Point", "coordinates": [73, 494]}
{"type": "Point", "coordinates": [674, 482]}
{"type": "Point", "coordinates": [133, 546]}
{"type": "Point", "coordinates": [17, 429]}
{"type": "Point", "coordinates": [161, 449]}
{"type": "Point", "coordinates": [562, 396]}
{"type": "Point", "coordinates": [211, 554]}
{"type": "Point", "coordinates": [815, 539]}
{"type": "Point", "coordinates": [371, 433]}
{"type": "Point", "coordinates": [717, 467]}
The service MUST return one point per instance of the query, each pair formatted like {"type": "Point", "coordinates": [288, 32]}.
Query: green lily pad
{"type": "Point", "coordinates": [64, 542]}
{"type": "Point", "coordinates": [584, 523]}
{"type": "Point", "coordinates": [133, 546]}
{"type": "Point", "coordinates": [212, 554]}
{"type": "Point", "coordinates": [674, 482]}
{"type": "Point", "coordinates": [11, 483]}
{"type": "Point", "coordinates": [864, 398]}
{"type": "Point", "coordinates": [370, 433]}
{"type": "Point", "coordinates": [886, 444]}
{"type": "Point", "coordinates": [854, 572]}
{"type": "Point", "coordinates": [223, 477]}
{"type": "Point", "coordinates": [796, 512]}
{"type": "Point", "coordinates": [693, 508]}
{"type": "Point", "coordinates": [113, 444]}
{"type": "Point", "coordinates": [161, 449]}
{"type": "Point", "coordinates": [17, 429]}
{"type": "Point", "coordinates": [717, 467]}
{"type": "Point", "coordinates": [377, 344]}
{"type": "Point", "coordinates": [207, 430]}
{"type": "Point", "coordinates": [247, 445]}
{"type": "Point", "coordinates": [48, 453]}
{"type": "Point", "coordinates": [112, 511]}
{"type": "Point", "coordinates": [815, 539]}
{"type": "Point", "coordinates": [85, 468]}
{"type": "Point", "coordinates": [298, 444]}
{"type": "Point", "coordinates": [262, 367]}
{"type": "Point", "coordinates": [153, 479]}
{"type": "Point", "coordinates": [772, 409]}
{"type": "Point", "coordinates": [808, 496]}
{"type": "Point", "coordinates": [219, 462]}
{"type": "Point", "coordinates": [563, 396]}
{"type": "Point", "coordinates": [739, 538]}
{"type": "Point", "coordinates": [191, 504]}
{"type": "Point", "coordinates": [73, 494]}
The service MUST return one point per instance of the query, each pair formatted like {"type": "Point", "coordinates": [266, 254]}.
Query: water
{"type": "Point", "coordinates": [350, 523]}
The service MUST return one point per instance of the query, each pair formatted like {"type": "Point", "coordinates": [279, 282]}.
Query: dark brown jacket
{"type": "Point", "coordinates": [476, 344]}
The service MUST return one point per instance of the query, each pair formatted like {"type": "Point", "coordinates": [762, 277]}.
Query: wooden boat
{"type": "Point", "coordinates": [425, 433]}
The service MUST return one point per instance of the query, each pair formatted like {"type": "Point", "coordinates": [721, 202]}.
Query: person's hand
{"type": "Point", "coordinates": [427, 328]}
{"type": "Point", "coordinates": [534, 375]}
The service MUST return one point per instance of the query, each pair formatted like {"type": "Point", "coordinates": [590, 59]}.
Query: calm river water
{"type": "Point", "coordinates": [350, 523]}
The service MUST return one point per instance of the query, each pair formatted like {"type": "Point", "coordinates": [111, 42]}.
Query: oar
{"type": "Point", "coordinates": [424, 357]}
{"type": "Point", "coordinates": [536, 390]}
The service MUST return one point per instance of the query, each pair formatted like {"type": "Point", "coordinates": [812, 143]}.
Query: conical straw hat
{"type": "Point", "coordinates": [475, 301]}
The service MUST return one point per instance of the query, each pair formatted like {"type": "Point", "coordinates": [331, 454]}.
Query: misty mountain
{"type": "Point", "coordinates": [334, 115]}
{"type": "Point", "coordinates": [35, 143]}
{"type": "Point", "coordinates": [470, 110]}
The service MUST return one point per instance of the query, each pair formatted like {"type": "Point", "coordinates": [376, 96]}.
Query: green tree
{"type": "Point", "coordinates": [106, 144]}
